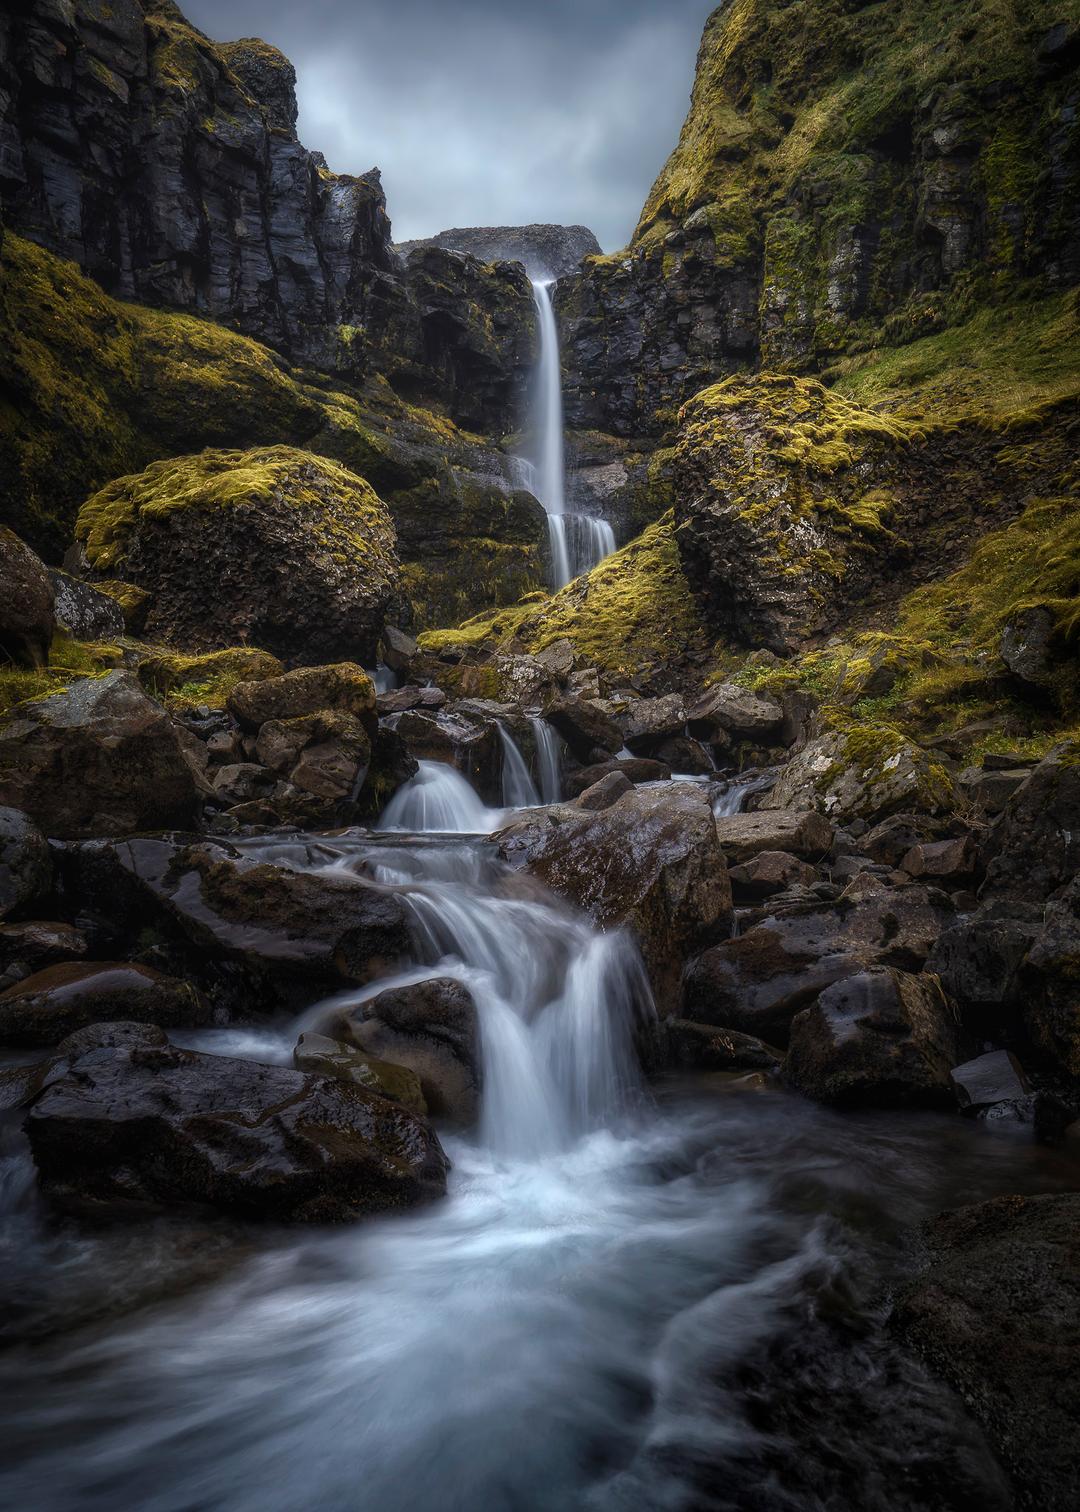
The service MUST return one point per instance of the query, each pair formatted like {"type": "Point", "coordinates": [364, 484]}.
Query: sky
{"type": "Point", "coordinates": [486, 112]}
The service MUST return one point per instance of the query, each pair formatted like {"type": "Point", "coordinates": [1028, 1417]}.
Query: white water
{"type": "Point", "coordinates": [577, 542]}
{"type": "Point", "coordinates": [548, 760]}
{"type": "Point", "coordinates": [438, 799]}
{"type": "Point", "coordinates": [518, 788]}
{"type": "Point", "coordinates": [737, 794]}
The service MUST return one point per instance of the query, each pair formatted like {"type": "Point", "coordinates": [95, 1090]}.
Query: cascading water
{"type": "Point", "coordinates": [438, 799]}
{"type": "Point", "coordinates": [577, 542]}
{"type": "Point", "coordinates": [548, 760]}
{"type": "Point", "coordinates": [518, 788]}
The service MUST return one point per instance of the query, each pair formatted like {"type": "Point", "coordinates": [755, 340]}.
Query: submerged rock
{"type": "Point", "coordinates": [138, 1127]}
{"type": "Point", "coordinates": [45, 1008]}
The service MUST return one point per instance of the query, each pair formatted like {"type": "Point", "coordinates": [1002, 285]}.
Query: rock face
{"type": "Point", "coordinates": [139, 1127]}
{"type": "Point", "coordinates": [547, 251]}
{"type": "Point", "coordinates": [51, 1004]}
{"type": "Point", "coordinates": [997, 1315]}
{"type": "Point", "coordinates": [27, 598]}
{"type": "Point", "coordinates": [650, 861]}
{"type": "Point", "coordinates": [275, 546]}
{"type": "Point", "coordinates": [100, 757]}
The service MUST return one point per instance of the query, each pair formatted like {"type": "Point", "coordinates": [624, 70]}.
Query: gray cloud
{"type": "Point", "coordinates": [482, 112]}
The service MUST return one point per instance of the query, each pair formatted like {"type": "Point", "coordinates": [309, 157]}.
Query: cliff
{"type": "Point", "coordinates": [546, 251]}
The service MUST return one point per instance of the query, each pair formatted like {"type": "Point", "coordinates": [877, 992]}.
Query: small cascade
{"type": "Point", "coordinates": [518, 788]}
{"type": "Point", "coordinates": [548, 760]}
{"type": "Point", "coordinates": [438, 800]}
{"type": "Point", "coordinates": [577, 541]}
{"type": "Point", "coordinates": [384, 678]}
{"type": "Point", "coordinates": [737, 794]}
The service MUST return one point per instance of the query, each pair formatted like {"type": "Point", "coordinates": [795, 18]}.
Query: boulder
{"type": "Point", "coordinates": [651, 862]}
{"type": "Point", "coordinates": [1027, 649]}
{"type": "Point", "coordinates": [990, 790]}
{"type": "Point", "coordinates": [636, 768]}
{"type": "Point", "coordinates": [27, 947]}
{"type": "Point", "coordinates": [83, 610]}
{"type": "Point", "coordinates": [995, 1077]}
{"type": "Point", "coordinates": [770, 872]}
{"type": "Point", "coordinates": [849, 776]}
{"type": "Point", "coordinates": [326, 755]}
{"type": "Point", "coordinates": [1049, 983]}
{"type": "Point", "coordinates": [342, 687]}
{"type": "Point", "coordinates": [890, 840]}
{"type": "Point", "coordinates": [99, 758]}
{"type": "Point", "coordinates": [400, 700]}
{"type": "Point", "coordinates": [44, 1008]}
{"type": "Point", "coordinates": [953, 860]}
{"type": "Point", "coordinates": [398, 649]}
{"type": "Point", "coordinates": [25, 863]}
{"type": "Point", "coordinates": [274, 546]}
{"type": "Point", "coordinates": [759, 980]}
{"type": "Point", "coordinates": [469, 742]}
{"type": "Point", "coordinates": [728, 710]}
{"type": "Point", "coordinates": [1034, 845]}
{"type": "Point", "coordinates": [705, 1047]}
{"type": "Point", "coordinates": [430, 1027]}
{"type": "Point", "coordinates": [26, 603]}
{"type": "Point", "coordinates": [802, 833]}
{"type": "Point", "coordinates": [881, 1037]}
{"type": "Point", "coordinates": [978, 960]}
{"type": "Point", "coordinates": [649, 722]}
{"type": "Point", "coordinates": [604, 793]}
{"type": "Point", "coordinates": [141, 1127]}
{"type": "Point", "coordinates": [242, 782]}
{"type": "Point", "coordinates": [585, 727]}
{"type": "Point", "coordinates": [996, 1314]}
{"type": "Point", "coordinates": [327, 1057]}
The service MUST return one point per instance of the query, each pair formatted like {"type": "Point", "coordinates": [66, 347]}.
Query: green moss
{"type": "Point", "coordinates": [69, 660]}
{"type": "Point", "coordinates": [207, 679]}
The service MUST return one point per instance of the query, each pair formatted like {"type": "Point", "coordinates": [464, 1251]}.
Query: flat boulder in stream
{"type": "Point", "coordinates": [651, 861]}
{"type": "Point", "coordinates": [800, 832]}
{"type": "Point", "coordinates": [135, 1128]}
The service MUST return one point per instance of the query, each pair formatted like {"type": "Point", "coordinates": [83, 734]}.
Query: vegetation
{"type": "Point", "coordinates": [69, 660]}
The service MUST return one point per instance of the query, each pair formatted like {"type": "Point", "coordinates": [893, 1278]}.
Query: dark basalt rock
{"type": "Point", "coordinates": [1034, 845]}
{"type": "Point", "coordinates": [27, 618]}
{"type": "Point", "coordinates": [329, 1057]}
{"type": "Point", "coordinates": [636, 768]}
{"type": "Point", "coordinates": [25, 864]}
{"type": "Point", "coordinates": [547, 251]}
{"type": "Point", "coordinates": [83, 611]}
{"type": "Point", "coordinates": [585, 727]}
{"type": "Point", "coordinates": [51, 1004]}
{"type": "Point", "coordinates": [706, 1047]}
{"type": "Point", "coordinates": [135, 1128]}
{"type": "Point", "coordinates": [802, 832]}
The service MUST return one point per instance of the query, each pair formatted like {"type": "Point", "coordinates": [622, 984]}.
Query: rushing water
{"type": "Point", "coordinates": [623, 1304]}
{"type": "Point", "coordinates": [548, 760]}
{"type": "Point", "coordinates": [577, 542]}
{"type": "Point", "coordinates": [518, 788]}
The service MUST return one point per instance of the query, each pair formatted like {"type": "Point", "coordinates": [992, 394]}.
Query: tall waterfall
{"type": "Point", "coordinates": [577, 541]}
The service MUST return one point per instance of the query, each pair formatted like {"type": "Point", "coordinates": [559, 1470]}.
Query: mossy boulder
{"type": "Point", "coordinates": [785, 493]}
{"type": "Point", "coordinates": [865, 772]}
{"type": "Point", "coordinates": [343, 687]}
{"type": "Point", "coordinates": [46, 1007]}
{"type": "Point", "coordinates": [206, 679]}
{"type": "Point", "coordinates": [273, 545]}
{"type": "Point", "coordinates": [27, 596]}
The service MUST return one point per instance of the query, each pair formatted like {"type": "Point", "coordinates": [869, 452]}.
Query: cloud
{"type": "Point", "coordinates": [484, 112]}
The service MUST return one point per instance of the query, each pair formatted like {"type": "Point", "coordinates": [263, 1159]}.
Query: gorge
{"type": "Point", "coordinates": [540, 793]}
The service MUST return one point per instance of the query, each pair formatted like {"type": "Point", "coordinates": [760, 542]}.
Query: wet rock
{"type": "Point", "coordinates": [803, 833]}
{"type": "Point", "coordinates": [651, 862]}
{"type": "Point", "coordinates": [326, 1057]}
{"type": "Point", "coordinates": [135, 1129]}
{"type": "Point", "coordinates": [83, 610]}
{"type": "Point", "coordinates": [1034, 845]}
{"type": "Point", "coordinates": [26, 948]}
{"type": "Point", "coordinates": [770, 872]}
{"type": "Point", "coordinates": [1049, 982]}
{"type": "Point", "coordinates": [881, 1037]}
{"type": "Point", "coordinates": [603, 794]}
{"type": "Point", "coordinates": [636, 768]}
{"type": "Point", "coordinates": [402, 699]}
{"type": "Point", "coordinates": [342, 687]}
{"type": "Point", "coordinates": [45, 1007]}
{"type": "Point", "coordinates": [585, 727]}
{"type": "Point", "coordinates": [709, 1048]}
{"type": "Point", "coordinates": [649, 722]}
{"type": "Point", "coordinates": [398, 649]}
{"type": "Point", "coordinates": [996, 1077]}
{"type": "Point", "coordinates": [431, 1028]}
{"type": "Point", "coordinates": [26, 603]}
{"type": "Point", "coordinates": [99, 758]}
{"type": "Point", "coordinates": [759, 980]}
{"type": "Point", "coordinates": [733, 711]}
{"type": "Point", "coordinates": [468, 742]}
{"type": "Point", "coordinates": [978, 960]}
{"type": "Point", "coordinates": [942, 860]}
{"type": "Point", "coordinates": [242, 782]}
{"type": "Point", "coordinates": [25, 864]}
{"type": "Point", "coordinates": [557, 659]}
{"type": "Point", "coordinates": [685, 756]}
{"type": "Point", "coordinates": [1026, 648]}
{"type": "Point", "coordinates": [996, 1313]}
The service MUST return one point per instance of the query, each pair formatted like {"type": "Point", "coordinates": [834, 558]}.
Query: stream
{"type": "Point", "coordinates": [633, 1297]}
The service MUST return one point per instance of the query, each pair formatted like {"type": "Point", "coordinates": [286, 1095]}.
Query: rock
{"type": "Point", "coordinates": [805, 834]}
{"type": "Point", "coordinates": [99, 758]}
{"type": "Point", "coordinates": [25, 863]}
{"type": "Point", "coordinates": [546, 251]}
{"type": "Point", "coordinates": [1026, 648]}
{"type": "Point", "coordinates": [584, 726]}
{"type": "Point", "coordinates": [889, 841]}
{"type": "Point", "coordinates": [45, 1007]}
{"type": "Point", "coordinates": [403, 699]}
{"type": "Point", "coordinates": [83, 610]}
{"type": "Point", "coordinates": [1034, 845]}
{"type": "Point", "coordinates": [25, 948]}
{"type": "Point", "coordinates": [557, 659]}
{"type": "Point", "coordinates": [882, 1037]}
{"type": "Point", "coordinates": [991, 790]}
{"type": "Point", "coordinates": [326, 755]}
{"type": "Point", "coordinates": [305, 547]}
{"type": "Point", "coordinates": [943, 860]}
{"type": "Point", "coordinates": [651, 862]}
{"type": "Point", "coordinates": [770, 872]}
{"type": "Point", "coordinates": [468, 741]}
{"type": "Point", "coordinates": [709, 1048]}
{"type": "Point", "coordinates": [996, 1313]}
{"type": "Point", "coordinates": [978, 960]}
{"type": "Point", "coordinates": [327, 1057]}
{"type": "Point", "coordinates": [759, 980]}
{"type": "Point", "coordinates": [139, 1128]}
{"type": "Point", "coordinates": [1049, 983]}
{"type": "Point", "coordinates": [996, 1077]}
{"type": "Point", "coordinates": [242, 782]}
{"type": "Point", "coordinates": [636, 768]}
{"type": "Point", "coordinates": [686, 757]}
{"type": "Point", "coordinates": [342, 688]}
{"type": "Point", "coordinates": [729, 710]}
{"type": "Point", "coordinates": [850, 778]}
{"type": "Point", "coordinates": [649, 722]}
{"type": "Point", "coordinates": [605, 792]}
{"type": "Point", "coordinates": [26, 603]}
{"type": "Point", "coordinates": [398, 649]}
{"type": "Point", "coordinates": [431, 1028]}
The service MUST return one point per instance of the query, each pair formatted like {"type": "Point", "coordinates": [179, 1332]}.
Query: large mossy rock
{"type": "Point", "coordinates": [996, 1313]}
{"type": "Point", "coordinates": [274, 546]}
{"type": "Point", "coordinates": [866, 772]}
{"type": "Point", "coordinates": [27, 596]}
{"type": "Point", "coordinates": [783, 504]}
{"type": "Point", "coordinates": [137, 1127]}
{"type": "Point", "coordinates": [99, 757]}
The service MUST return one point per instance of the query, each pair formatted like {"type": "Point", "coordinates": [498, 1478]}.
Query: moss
{"type": "Point", "coordinates": [69, 660]}
{"type": "Point", "coordinates": [208, 678]}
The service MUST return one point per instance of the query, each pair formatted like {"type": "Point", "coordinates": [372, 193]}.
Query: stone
{"type": "Point", "coordinates": [140, 1128]}
{"type": "Point", "coordinates": [546, 251]}
{"type": "Point", "coordinates": [802, 833]}
{"type": "Point", "coordinates": [99, 758]}
{"type": "Point", "coordinates": [400, 700]}
{"type": "Point", "coordinates": [27, 947]}
{"type": "Point", "coordinates": [584, 726]}
{"type": "Point", "coordinates": [730, 710]}
{"type": "Point", "coordinates": [881, 1037]}
{"type": "Point", "coordinates": [1048, 983]}
{"type": "Point", "coordinates": [706, 1047]}
{"type": "Point", "coordinates": [943, 860]}
{"type": "Point", "coordinates": [44, 1008]}
{"type": "Point", "coordinates": [649, 722]}
{"type": "Point", "coordinates": [27, 620]}
{"type": "Point", "coordinates": [991, 790]}
{"type": "Point", "coordinates": [770, 872]}
{"type": "Point", "coordinates": [636, 768]}
{"type": "Point", "coordinates": [1026, 648]}
{"type": "Point", "coordinates": [890, 840]}
{"type": "Point", "coordinates": [1033, 847]}
{"type": "Point", "coordinates": [25, 863]}
{"type": "Point", "coordinates": [557, 659]}
{"type": "Point", "coordinates": [242, 782]}
{"type": "Point", "coordinates": [398, 649]}
{"type": "Point", "coordinates": [84, 611]}
{"type": "Point", "coordinates": [996, 1314]}
{"type": "Point", "coordinates": [605, 792]}
{"type": "Point", "coordinates": [995, 1077]}
{"type": "Point", "coordinates": [342, 687]}
{"type": "Point", "coordinates": [326, 1057]}
{"type": "Point", "coordinates": [848, 780]}
{"type": "Point", "coordinates": [651, 862]}
{"type": "Point", "coordinates": [978, 960]}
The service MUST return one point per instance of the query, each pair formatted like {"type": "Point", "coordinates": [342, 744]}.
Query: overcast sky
{"type": "Point", "coordinates": [486, 112]}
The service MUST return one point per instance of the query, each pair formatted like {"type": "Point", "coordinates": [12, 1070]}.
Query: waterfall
{"type": "Point", "coordinates": [577, 541]}
{"type": "Point", "coordinates": [518, 788]}
{"type": "Point", "coordinates": [548, 760]}
{"type": "Point", "coordinates": [438, 800]}
{"type": "Point", "coordinates": [736, 795]}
